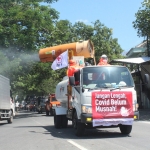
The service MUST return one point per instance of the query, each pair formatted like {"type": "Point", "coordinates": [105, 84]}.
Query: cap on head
{"type": "Point", "coordinates": [104, 56]}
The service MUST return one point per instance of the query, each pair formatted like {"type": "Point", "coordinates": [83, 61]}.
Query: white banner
{"type": "Point", "coordinates": [109, 122]}
{"type": "Point", "coordinates": [61, 61]}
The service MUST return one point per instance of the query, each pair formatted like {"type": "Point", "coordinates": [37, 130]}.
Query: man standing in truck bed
{"type": "Point", "coordinates": [103, 60]}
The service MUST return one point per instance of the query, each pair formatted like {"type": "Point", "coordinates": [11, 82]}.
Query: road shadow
{"type": "Point", "coordinates": [69, 133]}
{"type": "Point", "coordinates": [26, 114]}
{"type": "Point", "coordinates": [4, 122]}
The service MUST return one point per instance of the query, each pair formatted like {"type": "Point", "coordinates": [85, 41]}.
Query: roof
{"type": "Point", "coordinates": [137, 52]}
{"type": "Point", "coordinates": [138, 60]}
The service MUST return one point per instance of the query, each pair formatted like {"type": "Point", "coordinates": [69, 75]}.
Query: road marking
{"type": "Point", "coordinates": [77, 145]}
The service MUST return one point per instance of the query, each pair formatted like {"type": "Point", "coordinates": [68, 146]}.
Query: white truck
{"type": "Point", "coordinates": [6, 107]}
{"type": "Point", "coordinates": [105, 97]}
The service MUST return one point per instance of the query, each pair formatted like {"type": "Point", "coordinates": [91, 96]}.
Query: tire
{"type": "Point", "coordinates": [47, 113]}
{"type": "Point", "coordinates": [51, 112]}
{"type": "Point", "coordinates": [78, 126]}
{"type": "Point", "coordinates": [64, 121]}
{"type": "Point", "coordinates": [125, 129]}
{"type": "Point", "coordinates": [57, 121]}
{"type": "Point", "coordinates": [10, 120]}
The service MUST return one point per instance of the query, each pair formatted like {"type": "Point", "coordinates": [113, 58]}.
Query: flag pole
{"type": "Point", "coordinates": [94, 60]}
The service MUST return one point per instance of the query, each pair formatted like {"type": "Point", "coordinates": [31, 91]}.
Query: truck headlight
{"type": "Point", "coordinates": [86, 109]}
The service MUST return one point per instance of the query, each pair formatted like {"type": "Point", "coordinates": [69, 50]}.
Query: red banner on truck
{"type": "Point", "coordinates": [112, 108]}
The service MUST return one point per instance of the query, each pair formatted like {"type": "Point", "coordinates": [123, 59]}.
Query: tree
{"type": "Point", "coordinates": [25, 27]}
{"type": "Point", "coordinates": [101, 36]}
{"type": "Point", "coordinates": [105, 43]}
{"type": "Point", "coordinates": [81, 31]}
{"type": "Point", "coordinates": [142, 22]}
{"type": "Point", "coordinates": [61, 33]}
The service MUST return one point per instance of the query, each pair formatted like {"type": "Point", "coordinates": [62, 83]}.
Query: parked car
{"type": "Point", "coordinates": [31, 106]}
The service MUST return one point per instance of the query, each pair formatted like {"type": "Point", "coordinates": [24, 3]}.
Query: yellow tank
{"type": "Point", "coordinates": [82, 48]}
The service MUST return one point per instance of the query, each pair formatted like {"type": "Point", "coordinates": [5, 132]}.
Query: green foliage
{"type": "Point", "coordinates": [61, 33]}
{"type": "Point", "coordinates": [104, 42]}
{"type": "Point", "coordinates": [142, 22]}
{"type": "Point", "coordinates": [82, 31]}
{"type": "Point", "coordinates": [101, 36]}
{"type": "Point", "coordinates": [25, 27]}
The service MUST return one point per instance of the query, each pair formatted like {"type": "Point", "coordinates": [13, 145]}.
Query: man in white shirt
{"type": "Point", "coordinates": [17, 106]}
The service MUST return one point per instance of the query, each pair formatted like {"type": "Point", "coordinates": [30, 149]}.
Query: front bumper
{"type": "Point", "coordinates": [87, 118]}
{"type": "Point", "coordinates": [136, 115]}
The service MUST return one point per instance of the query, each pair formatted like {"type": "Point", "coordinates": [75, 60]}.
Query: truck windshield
{"type": "Point", "coordinates": [106, 77]}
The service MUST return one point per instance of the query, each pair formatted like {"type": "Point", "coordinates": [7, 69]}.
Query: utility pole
{"type": "Point", "coordinates": [148, 46]}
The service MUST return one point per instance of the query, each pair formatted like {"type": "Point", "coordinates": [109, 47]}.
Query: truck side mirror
{"type": "Point", "coordinates": [72, 81]}
{"type": "Point", "coordinates": [146, 78]}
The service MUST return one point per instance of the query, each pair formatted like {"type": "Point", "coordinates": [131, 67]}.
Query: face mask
{"type": "Point", "coordinates": [104, 59]}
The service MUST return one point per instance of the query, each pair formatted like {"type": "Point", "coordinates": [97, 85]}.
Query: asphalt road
{"type": "Point", "coordinates": [33, 131]}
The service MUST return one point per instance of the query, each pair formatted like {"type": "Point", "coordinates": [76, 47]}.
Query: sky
{"type": "Point", "coordinates": [115, 14]}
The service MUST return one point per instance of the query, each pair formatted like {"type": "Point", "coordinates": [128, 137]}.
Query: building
{"type": "Point", "coordinates": [138, 51]}
{"type": "Point", "coordinates": [139, 63]}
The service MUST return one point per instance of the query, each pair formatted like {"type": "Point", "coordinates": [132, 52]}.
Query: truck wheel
{"type": "Point", "coordinates": [64, 121]}
{"type": "Point", "coordinates": [57, 121]}
{"type": "Point", "coordinates": [47, 113]}
{"type": "Point", "coordinates": [51, 112]}
{"type": "Point", "coordinates": [125, 129]}
{"type": "Point", "coordinates": [78, 126]}
{"type": "Point", "coordinates": [10, 120]}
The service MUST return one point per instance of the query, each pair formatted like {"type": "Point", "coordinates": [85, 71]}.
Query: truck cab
{"type": "Point", "coordinates": [104, 97]}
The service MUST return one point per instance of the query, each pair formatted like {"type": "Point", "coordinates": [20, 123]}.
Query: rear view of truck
{"type": "Point", "coordinates": [6, 113]}
{"type": "Point", "coordinates": [51, 104]}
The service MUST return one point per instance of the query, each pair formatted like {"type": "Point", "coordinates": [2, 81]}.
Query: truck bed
{"type": "Point", "coordinates": [4, 93]}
